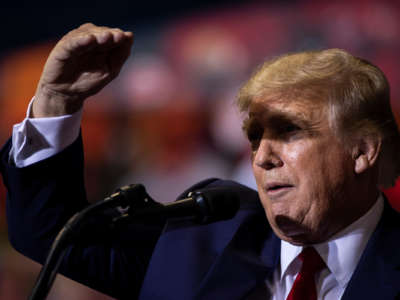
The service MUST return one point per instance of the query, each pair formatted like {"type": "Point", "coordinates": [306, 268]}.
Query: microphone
{"type": "Point", "coordinates": [203, 206]}
{"type": "Point", "coordinates": [132, 204]}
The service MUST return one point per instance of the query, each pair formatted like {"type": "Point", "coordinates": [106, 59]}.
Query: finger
{"type": "Point", "coordinates": [83, 42]}
{"type": "Point", "coordinates": [120, 35]}
{"type": "Point", "coordinates": [112, 36]}
{"type": "Point", "coordinates": [89, 37]}
{"type": "Point", "coordinates": [104, 39]}
{"type": "Point", "coordinates": [75, 46]}
{"type": "Point", "coordinates": [119, 55]}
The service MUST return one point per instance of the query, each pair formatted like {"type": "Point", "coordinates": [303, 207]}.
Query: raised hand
{"type": "Point", "coordinates": [80, 65]}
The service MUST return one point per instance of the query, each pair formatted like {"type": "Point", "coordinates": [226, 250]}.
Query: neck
{"type": "Point", "coordinates": [362, 198]}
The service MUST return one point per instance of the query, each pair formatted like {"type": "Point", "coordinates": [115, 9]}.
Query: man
{"type": "Point", "coordinates": [323, 139]}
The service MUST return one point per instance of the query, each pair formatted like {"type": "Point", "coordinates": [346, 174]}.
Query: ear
{"type": "Point", "coordinates": [365, 153]}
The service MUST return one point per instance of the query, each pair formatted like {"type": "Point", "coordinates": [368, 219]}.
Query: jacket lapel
{"type": "Point", "coordinates": [223, 260]}
{"type": "Point", "coordinates": [248, 260]}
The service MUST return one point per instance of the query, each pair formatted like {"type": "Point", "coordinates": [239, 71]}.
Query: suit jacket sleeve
{"type": "Point", "coordinates": [40, 200]}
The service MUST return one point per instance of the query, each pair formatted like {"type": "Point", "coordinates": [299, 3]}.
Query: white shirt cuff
{"type": "Point", "coordinates": [35, 139]}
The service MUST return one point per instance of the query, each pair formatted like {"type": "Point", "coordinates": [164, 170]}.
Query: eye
{"type": "Point", "coordinates": [254, 132]}
{"type": "Point", "coordinates": [254, 140]}
{"type": "Point", "coordinates": [290, 128]}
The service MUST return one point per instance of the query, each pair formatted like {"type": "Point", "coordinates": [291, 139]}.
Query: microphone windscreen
{"type": "Point", "coordinates": [222, 203]}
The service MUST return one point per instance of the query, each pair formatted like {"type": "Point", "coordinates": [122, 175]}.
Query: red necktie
{"type": "Point", "coordinates": [304, 285]}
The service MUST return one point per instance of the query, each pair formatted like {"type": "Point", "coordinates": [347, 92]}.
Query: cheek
{"type": "Point", "coordinates": [316, 165]}
{"type": "Point", "coordinates": [317, 172]}
{"type": "Point", "coordinates": [302, 164]}
{"type": "Point", "coordinates": [322, 175]}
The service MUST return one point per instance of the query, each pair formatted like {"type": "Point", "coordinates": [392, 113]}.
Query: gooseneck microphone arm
{"type": "Point", "coordinates": [131, 204]}
{"type": "Point", "coordinates": [121, 198]}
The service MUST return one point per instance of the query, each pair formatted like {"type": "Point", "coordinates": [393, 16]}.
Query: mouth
{"type": "Point", "coordinates": [276, 189]}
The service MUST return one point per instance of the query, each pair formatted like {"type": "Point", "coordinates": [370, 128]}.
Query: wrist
{"type": "Point", "coordinates": [49, 103]}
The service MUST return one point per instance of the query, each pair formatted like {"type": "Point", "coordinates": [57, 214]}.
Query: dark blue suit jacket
{"type": "Point", "coordinates": [178, 260]}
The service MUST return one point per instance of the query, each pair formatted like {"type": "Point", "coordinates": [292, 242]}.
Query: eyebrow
{"type": "Point", "coordinates": [272, 118]}
{"type": "Point", "coordinates": [276, 120]}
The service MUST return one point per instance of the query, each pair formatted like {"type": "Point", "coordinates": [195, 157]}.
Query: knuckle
{"type": "Point", "coordinates": [118, 30]}
{"type": "Point", "coordinates": [86, 25]}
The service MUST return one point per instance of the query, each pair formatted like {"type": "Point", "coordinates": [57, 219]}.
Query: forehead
{"type": "Point", "coordinates": [300, 109]}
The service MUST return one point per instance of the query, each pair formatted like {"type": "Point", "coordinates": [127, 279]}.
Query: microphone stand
{"type": "Point", "coordinates": [202, 207]}
{"type": "Point", "coordinates": [132, 196]}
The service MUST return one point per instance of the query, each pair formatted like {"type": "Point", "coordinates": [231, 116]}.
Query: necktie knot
{"type": "Point", "coordinates": [312, 261]}
{"type": "Point", "coordinates": [304, 285]}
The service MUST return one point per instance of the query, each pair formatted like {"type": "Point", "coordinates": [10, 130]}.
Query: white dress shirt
{"type": "Point", "coordinates": [35, 139]}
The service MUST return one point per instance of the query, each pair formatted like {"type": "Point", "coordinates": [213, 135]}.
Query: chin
{"type": "Point", "coordinates": [297, 240]}
{"type": "Point", "coordinates": [293, 231]}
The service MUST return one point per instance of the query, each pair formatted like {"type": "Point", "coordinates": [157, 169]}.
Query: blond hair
{"type": "Point", "coordinates": [356, 92]}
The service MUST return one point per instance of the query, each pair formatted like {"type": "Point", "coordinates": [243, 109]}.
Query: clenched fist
{"type": "Point", "coordinates": [80, 65]}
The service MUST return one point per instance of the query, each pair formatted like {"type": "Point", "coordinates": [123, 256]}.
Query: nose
{"type": "Point", "coordinates": [267, 155]}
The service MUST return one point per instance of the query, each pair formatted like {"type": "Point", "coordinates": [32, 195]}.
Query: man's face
{"type": "Point", "coordinates": [304, 175]}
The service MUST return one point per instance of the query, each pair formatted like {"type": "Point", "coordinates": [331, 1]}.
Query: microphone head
{"type": "Point", "coordinates": [215, 204]}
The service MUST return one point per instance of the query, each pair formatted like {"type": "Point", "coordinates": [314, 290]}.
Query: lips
{"type": "Point", "coordinates": [273, 186]}
{"type": "Point", "coordinates": [278, 188]}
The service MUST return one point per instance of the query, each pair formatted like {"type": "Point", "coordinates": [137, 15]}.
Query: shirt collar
{"type": "Point", "coordinates": [342, 252]}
